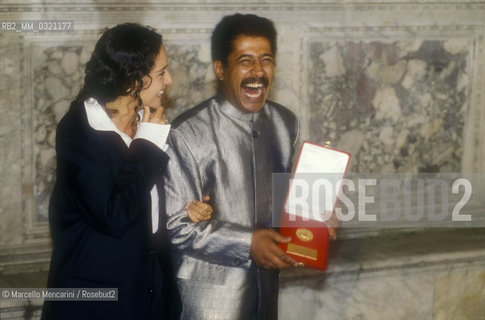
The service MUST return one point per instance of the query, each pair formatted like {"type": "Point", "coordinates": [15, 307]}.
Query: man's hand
{"type": "Point", "coordinates": [199, 211]}
{"type": "Point", "coordinates": [332, 223]}
{"type": "Point", "coordinates": [265, 251]}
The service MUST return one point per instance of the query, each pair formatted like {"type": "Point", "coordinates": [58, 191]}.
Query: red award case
{"type": "Point", "coordinates": [320, 171]}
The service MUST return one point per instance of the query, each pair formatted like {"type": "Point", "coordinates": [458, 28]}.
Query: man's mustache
{"type": "Point", "coordinates": [262, 80]}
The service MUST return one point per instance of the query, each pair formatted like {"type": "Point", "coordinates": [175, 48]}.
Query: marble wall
{"type": "Point", "coordinates": [58, 73]}
{"type": "Point", "coordinates": [396, 83]}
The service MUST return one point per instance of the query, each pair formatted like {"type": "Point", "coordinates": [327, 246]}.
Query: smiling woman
{"type": "Point", "coordinates": [154, 84]}
{"type": "Point", "coordinates": [104, 210]}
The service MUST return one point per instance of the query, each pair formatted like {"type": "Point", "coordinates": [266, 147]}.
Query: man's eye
{"type": "Point", "coordinates": [246, 62]}
{"type": "Point", "coordinates": [267, 61]}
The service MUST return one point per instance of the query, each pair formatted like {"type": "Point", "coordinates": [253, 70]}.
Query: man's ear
{"type": "Point", "coordinates": [218, 69]}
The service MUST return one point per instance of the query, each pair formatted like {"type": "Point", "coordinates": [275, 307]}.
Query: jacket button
{"type": "Point", "coordinates": [152, 252]}
{"type": "Point", "coordinates": [255, 134]}
{"type": "Point", "coordinates": [150, 290]}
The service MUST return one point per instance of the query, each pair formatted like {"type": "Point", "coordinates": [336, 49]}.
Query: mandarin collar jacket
{"type": "Point", "coordinates": [217, 150]}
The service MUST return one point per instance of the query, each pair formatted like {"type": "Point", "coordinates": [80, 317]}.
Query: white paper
{"type": "Point", "coordinates": [316, 182]}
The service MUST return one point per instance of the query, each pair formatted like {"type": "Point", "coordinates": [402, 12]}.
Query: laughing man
{"type": "Point", "coordinates": [228, 147]}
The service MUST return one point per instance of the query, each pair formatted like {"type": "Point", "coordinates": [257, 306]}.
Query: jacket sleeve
{"type": "Point", "coordinates": [213, 240]}
{"type": "Point", "coordinates": [108, 190]}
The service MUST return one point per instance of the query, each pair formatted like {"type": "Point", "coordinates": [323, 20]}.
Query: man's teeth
{"type": "Point", "coordinates": [254, 89]}
{"type": "Point", "coordinates": [255, 85]}
{"type": "Point", "coordinates": [160, 93]}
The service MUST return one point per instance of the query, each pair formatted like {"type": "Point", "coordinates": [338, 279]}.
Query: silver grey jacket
{"type": "Point", "coordinates": [216, 149]}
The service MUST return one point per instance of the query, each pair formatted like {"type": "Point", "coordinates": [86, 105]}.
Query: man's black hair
{"type": "Point", "coordinates": [230, 27]}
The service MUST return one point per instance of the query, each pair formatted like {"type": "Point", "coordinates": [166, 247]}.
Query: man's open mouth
{"type": "Point", "coordinates": [254, 89]}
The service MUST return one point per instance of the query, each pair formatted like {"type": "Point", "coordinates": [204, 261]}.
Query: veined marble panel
{"type": "Point", "coordinates": [10, 140]}
{"type": "Point", "coordinates": [191, 68]}
{"type": "Point", "coordinates": [56, 78]}
{"type": "Point", "coordinates": [289, 82]}
{"type": "Point", "coordinates": [58, 71]}
{"type": "Point", "coordinates": [397, 106]}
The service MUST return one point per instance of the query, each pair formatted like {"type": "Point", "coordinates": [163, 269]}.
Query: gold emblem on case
{"type": "Point", "coordinates": [304, 234]}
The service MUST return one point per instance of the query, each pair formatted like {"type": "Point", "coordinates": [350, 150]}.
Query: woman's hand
{"type": "Point", "coordinates": [154, 117]}
{"type": "Point", "coordinates": [199, 211]}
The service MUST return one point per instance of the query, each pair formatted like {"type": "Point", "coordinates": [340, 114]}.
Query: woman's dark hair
{"type": "Point", "coordinates": [230, 27]}
{"type": "Point", "coordinates": [121, 58]}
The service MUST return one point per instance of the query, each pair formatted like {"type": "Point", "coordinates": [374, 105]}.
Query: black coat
{"type": "Point", "coordinates": [100, 218]}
